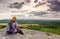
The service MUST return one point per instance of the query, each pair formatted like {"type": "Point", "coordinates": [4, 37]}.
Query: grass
{"type": "Point", "coordinates": [50, 29]}
{"type": "Point", "coordinates": [55, 29]}
{"type": "Point", "coordinates": [2, 26]}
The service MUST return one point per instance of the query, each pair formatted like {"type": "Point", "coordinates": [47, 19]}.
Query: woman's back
{"type": "Point", "coordinates": [13, 27]}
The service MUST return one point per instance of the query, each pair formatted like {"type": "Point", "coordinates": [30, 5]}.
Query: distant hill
{"type": "Point", "coordinates": [34, 21]}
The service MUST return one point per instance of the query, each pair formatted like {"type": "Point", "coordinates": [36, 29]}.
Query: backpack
{"type": "Point", "coordinates": [10, 26]}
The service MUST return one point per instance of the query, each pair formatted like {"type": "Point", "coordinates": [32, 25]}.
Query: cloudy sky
{"type": "Point", "coordinates": [30, 9]}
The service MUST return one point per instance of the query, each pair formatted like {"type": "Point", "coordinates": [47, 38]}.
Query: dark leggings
{"type": "Point", "coordinates": [9, 32]}
{"type": "Point", "coordinates": [18, 31]}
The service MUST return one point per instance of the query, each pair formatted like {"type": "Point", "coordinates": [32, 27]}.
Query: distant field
{"type": "Point", "coordinates": [3, 23]}
{"type": "Point", "coordinates": [21, 24]}
{"type": "Point", "coordinates": [44, 28]}
{"type": "Point", "coordinates": [51, 26]}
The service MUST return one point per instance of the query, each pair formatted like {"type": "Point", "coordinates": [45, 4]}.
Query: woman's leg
{"type": "Point", "coordinates": [20, 32]}
{"type": "Point", "coordinates": [8, 32]}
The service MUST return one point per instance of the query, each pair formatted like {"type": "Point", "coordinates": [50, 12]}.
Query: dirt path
{"type": "Point", "coordinates": [29, 34]}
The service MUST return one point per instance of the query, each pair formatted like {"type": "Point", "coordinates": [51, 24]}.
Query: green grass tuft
{"type": "Point", "coordinates": [50, 29]}
{"type": "Point", "coordinates": [2, 26]}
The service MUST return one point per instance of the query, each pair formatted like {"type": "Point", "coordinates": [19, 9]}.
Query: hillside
{"type": "Point", "coordinates": [29, 34]}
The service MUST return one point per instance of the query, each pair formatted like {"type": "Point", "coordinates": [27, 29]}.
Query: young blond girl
{"type": "Point", "coordinates": [13, 26]}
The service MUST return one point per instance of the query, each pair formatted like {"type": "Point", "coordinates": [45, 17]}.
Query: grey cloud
{"type": "Point", "coordinates": [55, 5]}
{"type": "Point", "coordinates": [45, 14]}
{"type": "Point", "coordinates": [24, 11]}
{"type": "Point", "coordinates": [20, 11]}
{"type": "Point", "coordinates": [38, 13]}
{"type": "Point", "coordinates": [16, 5]}
{"type": "Point", "coordinates": [39, 4]}
{"type": "Point", "coordinates": [35, 1]}
{"type": "Point", "coordinates": [1, 0]}
{"type": "Point", "coordinates": [28, 1]}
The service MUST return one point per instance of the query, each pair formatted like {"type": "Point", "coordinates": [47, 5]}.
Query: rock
{"type": "Point", "coordinates": [28, 34]}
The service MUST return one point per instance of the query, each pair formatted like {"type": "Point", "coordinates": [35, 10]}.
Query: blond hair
{"type": "Point", "coordinates": [14, 18]}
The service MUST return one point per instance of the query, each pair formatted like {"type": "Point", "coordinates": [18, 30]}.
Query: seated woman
{"type": "Point", "coordinates": [13, 27]}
